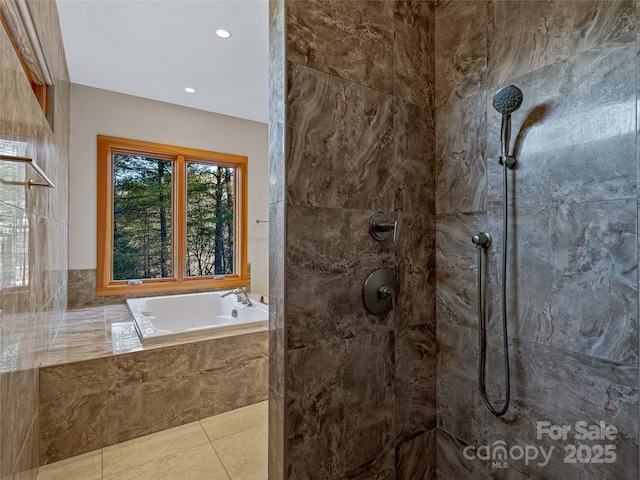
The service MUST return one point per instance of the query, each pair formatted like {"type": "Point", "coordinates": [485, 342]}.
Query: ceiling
{"type": "Point", "coordinates": [156, 48]}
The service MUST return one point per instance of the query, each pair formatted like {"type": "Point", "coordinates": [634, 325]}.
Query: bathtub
{"type": "Point", "coordinates": [175, 316]}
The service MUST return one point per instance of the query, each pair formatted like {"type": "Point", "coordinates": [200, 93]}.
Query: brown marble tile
{"type": "Point", "coordinates": [233, 386]}
{"type": "Point", "coordinates": [352, 40]}
{"type": "Point", "coordinates": [73, 409]}
{"type": "Point", "coordinates": [461, 53]}
{"type": "Point", "coordinates": [413, 52]}
{"type": "Point", "coordinates": [415, 381]}
{"type": "Point", "coordinates": [152, 365]}
{"type": "Point", "coordinates": [413, 172]}
{"type": "Point", "coordinates": [140, 409]}
{"type": "Point", "coordinates": [416, 457]}
{"type": "Point", "coordinates": [341, 127]}
{"type": "Point", "coordinates": [369, 397]}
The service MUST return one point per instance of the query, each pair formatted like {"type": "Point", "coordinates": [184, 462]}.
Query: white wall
{"type": "Point", "coordinates": [100, 112]}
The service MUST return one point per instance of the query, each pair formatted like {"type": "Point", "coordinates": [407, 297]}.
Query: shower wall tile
{"type": "Point", "coordinates": [590, 253]}
{"type": "Point", "coordinates": [457, 267]}
{"type": "Point", "coordinates": [526, 36]}
{"type": "Point", "coordinates": [414, 158]}
{"type": "Point", "coordinates": [461, 59]}
{"type": "Point", "coordinates": [416, 457]}
{"type": "Point", "coordinates": [415, 394]}
{"type": "Point", "coordinates": [277, 254]}
{"type": "Point", "coordinates": [340, 406]}
{"type": "Point", "coordinates": [575, 132]}
{"type": "Point", "coordinates": [452, 465]}
{"type": "Point", "coordinates": [415, 266]}
{"type": "Point", "coordinates": [461, 157]}
{"type": "Point", "coordinates": [276, 156]}
{"type": "Point", "coordinates": [381, 467]}
{"type": "Point", "coordinates": [315, 410]}
{"type": "Point", "coordinates": [352, 40]}
{"type": "Point", "coordinates": [325, 279]}
{"type": "Point", "coordinates": [413, 52]}
{"type": "Point", "coordinates": [460, 409]}
{"type": "Point", "coordinates": [551, 385]}
{"type": "Point", "coordinates": [340, 127]}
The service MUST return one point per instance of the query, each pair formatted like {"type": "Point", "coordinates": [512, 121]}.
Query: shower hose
{"type": "Point", "coordinates": [482, 317]}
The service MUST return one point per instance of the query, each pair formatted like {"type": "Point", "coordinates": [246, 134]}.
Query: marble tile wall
{"type": "Point", "coordinates": [352, 134]}
{"type": "Point", "coordinates": [572, 276]}
{"type": "Point", "coordinates": [33, 244]}
{"type": "Point", "coordinates": [90, 403]}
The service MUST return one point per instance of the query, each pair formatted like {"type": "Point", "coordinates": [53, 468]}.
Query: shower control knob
{"type": "Point", "coordinates": [381, 227]}
{"type": "Point", "coordinates": [482, 239]}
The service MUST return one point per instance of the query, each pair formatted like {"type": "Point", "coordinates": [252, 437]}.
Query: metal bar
{"type": "Point", "coordinates": [31, 183]}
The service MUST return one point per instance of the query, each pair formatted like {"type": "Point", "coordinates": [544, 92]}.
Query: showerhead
{"type": "Point", "coordinates": [507, 100]}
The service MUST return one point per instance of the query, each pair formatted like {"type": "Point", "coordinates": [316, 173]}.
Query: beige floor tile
{"type": "Point", "coordinates": [84, 467]}
{"type": "Point", "coordinates": [152, 447]}
{"type": "Point", "coordinates": [244, 454]}
{"type": "Point", "coordinates": [236, 421]}
{"type": "Point", "coordinates": [198, 463]}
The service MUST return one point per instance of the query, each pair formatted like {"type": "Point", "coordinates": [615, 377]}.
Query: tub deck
{"type": "Point", "coordinates": [100, 386]}
{"type": "Point", "coordinates": [99, 332]}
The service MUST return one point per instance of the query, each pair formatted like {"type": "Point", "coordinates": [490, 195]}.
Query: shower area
{"type": "Point", "coordinates": [386, 107]}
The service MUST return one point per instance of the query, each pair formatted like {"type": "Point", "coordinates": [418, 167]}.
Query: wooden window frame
{"type": "Point", "coordinates": [105, 285]}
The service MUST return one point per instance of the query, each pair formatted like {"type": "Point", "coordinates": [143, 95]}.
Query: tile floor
{"type": "Point", "coordinates": [229, 446]}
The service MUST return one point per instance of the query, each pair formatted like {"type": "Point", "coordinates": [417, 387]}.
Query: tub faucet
{"type": "Point", "coordinates": [241, 296]}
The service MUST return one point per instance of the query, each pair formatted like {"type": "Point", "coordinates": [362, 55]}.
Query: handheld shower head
{"type": "Point", "coordinates": [506, 101]}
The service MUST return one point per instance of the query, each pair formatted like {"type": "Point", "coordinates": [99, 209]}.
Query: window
{"type": "Point", "coordinates": [169, 218]}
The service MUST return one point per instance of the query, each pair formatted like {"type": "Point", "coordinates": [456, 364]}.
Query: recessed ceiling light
{"type": "Point", "coordinates": [189, 90]}
{"type": "Point", "coordinates": [223, 33]}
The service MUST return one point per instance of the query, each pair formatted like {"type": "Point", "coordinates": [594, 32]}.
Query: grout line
{"type": "Point", "coordinates": [220, 460]}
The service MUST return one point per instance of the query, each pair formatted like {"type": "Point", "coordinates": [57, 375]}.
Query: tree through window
{"type": "Point", "coordinates": [170, 218]}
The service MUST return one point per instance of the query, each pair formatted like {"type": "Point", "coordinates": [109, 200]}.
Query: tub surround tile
{"type": "Point", "coordinates": [138, 410]}
{"type": "Point", "coordinates": [352, 40]}
{"type": "Point", "coordinates": [243, 454]}
{"type": "Point", "coordinates": [235, 386]}
{"type": "Point", "coordinates": [334, 125]}
{"type": "Point", "coordinates": [139, 451]}
{"type": "Point", "coordinates": [198, 463]}
{"type": "Point", "coordinates": [108, 398]}
{"type": "Point", "coordinates": [72, 425]}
